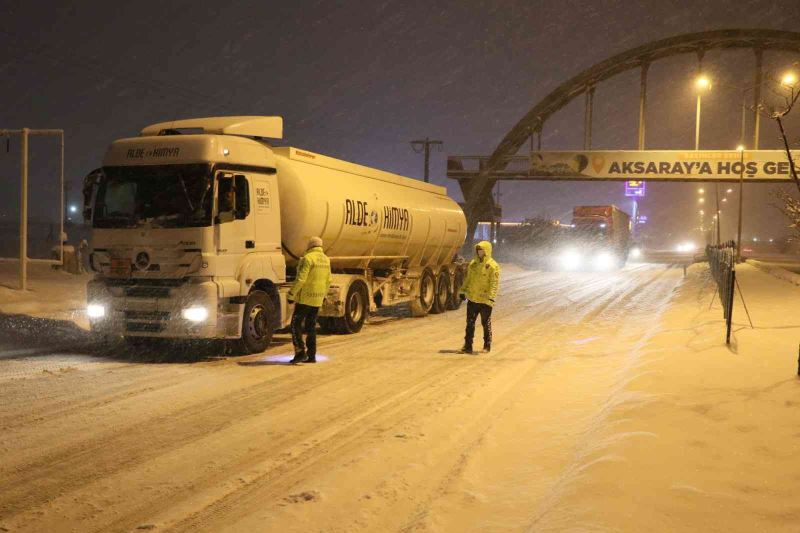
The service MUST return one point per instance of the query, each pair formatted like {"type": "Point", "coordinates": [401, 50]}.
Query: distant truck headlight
{"type": "Point", "coordinates": [195, 314]}
{"type": "Point", "coordinates": [96, 310]}
{"type": "Point", "coordinates": [604, 261]}
{"type": "Point", "coordinates": [636, 253]}
{"type": "Point", "coordinates": [570, 259]}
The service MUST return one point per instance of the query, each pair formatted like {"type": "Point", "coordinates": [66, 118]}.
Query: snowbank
{"type": "Point", "coordinates": [777, 271]}
{"type": "Point", "coordinates": [50, 294]}
{"type": "Point", "coordinates": [709, 441]}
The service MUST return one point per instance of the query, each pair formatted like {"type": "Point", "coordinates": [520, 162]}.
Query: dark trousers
{"type": "Point", "coordinates": [485, 311]}
{"type": "Point", "coordinates": [304, 320]}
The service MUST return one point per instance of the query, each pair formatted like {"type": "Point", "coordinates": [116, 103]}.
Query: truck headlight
{"type": "Point", "coordinates": [570, 259]}
{"type": "Point", "coordinates": [604, 261]}
{"type": "Point", "coordinates": [95, 310]}
{"type": "Point", "coordinates": [195, 314]}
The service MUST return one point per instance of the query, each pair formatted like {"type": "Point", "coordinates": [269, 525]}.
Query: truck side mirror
{"type": "Point", "coordinates": [242, 197]}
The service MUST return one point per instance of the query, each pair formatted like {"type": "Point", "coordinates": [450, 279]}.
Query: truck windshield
{"type": "Point", "coordinates": [592, 228]}
{"type": "Point", "coordinates": [167, 196]}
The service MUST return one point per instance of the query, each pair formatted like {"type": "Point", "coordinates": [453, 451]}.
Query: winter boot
{"type": "Point", "coordinates": [487, 347]}
{"type": "Point", "coordinates": [311, 359]}
{"type": "Point", "coordinates": [299, 358]}
{"type": "Point", "coordinates": [466, 349]}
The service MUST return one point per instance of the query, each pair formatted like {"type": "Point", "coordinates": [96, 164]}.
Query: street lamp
{"type": "Point", "coordinates": [703, 84]}
{"type": "Point", "coordinates": [789, 79]}
{"type": "Point", "coordinates": [701, 200]}
{"type": "Point", "coordinates": [701, 191]}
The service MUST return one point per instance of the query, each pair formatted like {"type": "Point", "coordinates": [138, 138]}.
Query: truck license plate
{"type": "Point", "coordinates": [121, 268]}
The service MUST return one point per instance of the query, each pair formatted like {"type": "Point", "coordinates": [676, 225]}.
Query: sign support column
{"type": "Point", "coordinates": [757, 96]}
{"type": "Point", "coordinates": [23, 213]}
{"type": "Point", "coordinates": [642, 104]}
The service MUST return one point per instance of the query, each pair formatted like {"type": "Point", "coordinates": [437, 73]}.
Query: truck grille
{"type": "Point", "coordinates": [147, 292]}
{"type": "Point", "coordinates": [146, 315]}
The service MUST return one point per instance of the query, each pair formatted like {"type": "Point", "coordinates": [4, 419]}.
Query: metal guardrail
{"type": "Point", "coordinates": [722, 261]}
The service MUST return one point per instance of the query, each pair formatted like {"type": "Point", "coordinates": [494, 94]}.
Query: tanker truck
{"type": "Point", "coordinates": [198, 225]}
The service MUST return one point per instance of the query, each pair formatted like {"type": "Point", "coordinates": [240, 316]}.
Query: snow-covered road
{"type": "Point", "coordinates": [393, 431]}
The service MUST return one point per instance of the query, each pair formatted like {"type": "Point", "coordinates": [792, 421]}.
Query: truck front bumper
{"type": "Point", "coordinates": [188, 310]}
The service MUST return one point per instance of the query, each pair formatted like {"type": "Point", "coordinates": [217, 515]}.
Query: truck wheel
{"type": "Point", "coordinates": [356, 309]}
{"type": "Point", "coordinates": [442, 297]}
{"type": "Point", "coordinates": [421, 305]}
{"type": "Point", "coordinates": [458, 280]}
{"type": "Point", "coordinates": [257, 323]}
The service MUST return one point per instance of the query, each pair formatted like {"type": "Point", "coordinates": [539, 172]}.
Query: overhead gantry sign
{"type": "Point", "coordinates": [477, 187]}
{"type": "Point", "coordinates": [764, 166]}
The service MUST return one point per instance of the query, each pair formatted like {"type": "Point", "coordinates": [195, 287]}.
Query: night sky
{"type": "Point", "coordinates": [358, 80]}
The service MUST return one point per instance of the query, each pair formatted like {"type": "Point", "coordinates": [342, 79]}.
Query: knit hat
{"type": "Point", "coordinates": [314, 242]}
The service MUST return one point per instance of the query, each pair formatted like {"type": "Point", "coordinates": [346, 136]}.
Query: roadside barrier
{"type": "Point", "coordinates": [722, 261]}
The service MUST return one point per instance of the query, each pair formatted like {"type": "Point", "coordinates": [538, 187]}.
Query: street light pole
{"type": "Point", "coordinates": [697, 124]}
{"type": "Point", "coordinates": [719, 214]}
{"type": "Point", "coordinates": [23, 213]}
{"type": "Point", "coordinates": [741, 201]}
{"type": "Point", "coordinates": [702, 83]}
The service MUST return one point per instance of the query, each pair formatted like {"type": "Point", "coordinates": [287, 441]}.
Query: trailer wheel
{"type": "Point", "coordinates": [442, 297]}
{"type": "Point", "coordinates": [421, 305]}
{"type": "Point", "coordinates": [257, 323]}
{"type": "Point", "coordinates": [356, 310]}
{"type": "Point", "coordinates": [458, 280]}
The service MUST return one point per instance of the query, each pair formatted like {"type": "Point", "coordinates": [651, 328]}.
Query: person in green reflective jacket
{"type": "Point", "coordinates": [308, 292]}
{"type": "Point", "coordinates": [480, 291]}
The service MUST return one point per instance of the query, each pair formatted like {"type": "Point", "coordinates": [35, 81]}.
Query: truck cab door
{"type": "Point", "coordinates": [267, 212]}
{"type": "Point", "coordinates": [233, 222]}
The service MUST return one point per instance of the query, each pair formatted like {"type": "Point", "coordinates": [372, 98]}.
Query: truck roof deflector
{"type": "Point", "coordinates": [270, 127]}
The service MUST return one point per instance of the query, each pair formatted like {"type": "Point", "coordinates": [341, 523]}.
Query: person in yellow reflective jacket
{"type": "Point", "coordinates": [308, 292]}
{"type": "Point", "coordinates": [480, 291]}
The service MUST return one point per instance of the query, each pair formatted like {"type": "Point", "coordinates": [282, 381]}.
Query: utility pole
{"type": "Point", "coordinates": [424, 145]}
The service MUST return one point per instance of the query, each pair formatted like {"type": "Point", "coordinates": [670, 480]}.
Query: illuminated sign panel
{"type": "Point", "coordinates": [662, 165]}
{"type": "Point", "coordinates": [635, 188]}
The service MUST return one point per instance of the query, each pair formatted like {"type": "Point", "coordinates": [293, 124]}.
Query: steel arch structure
{"type": "Point", "coordinates": [477, 190]}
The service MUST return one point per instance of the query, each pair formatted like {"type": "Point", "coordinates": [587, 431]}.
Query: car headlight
{"type": "Point", "coordinates": [195, 314]}
{"type": "Point", "coordinates": [636, 253]}
{"type": "Point", "coordinates": [604, 261]}
{"type": "Point", "coordinates": [570, 259]}
{"type": "Point", "coordinates": [96, 310]}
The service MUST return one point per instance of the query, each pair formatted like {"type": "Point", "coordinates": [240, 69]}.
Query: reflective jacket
{"type": "Point", "coordinates": [313, 278]}
{"type": "Point", "coordinates": [483, 277]}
